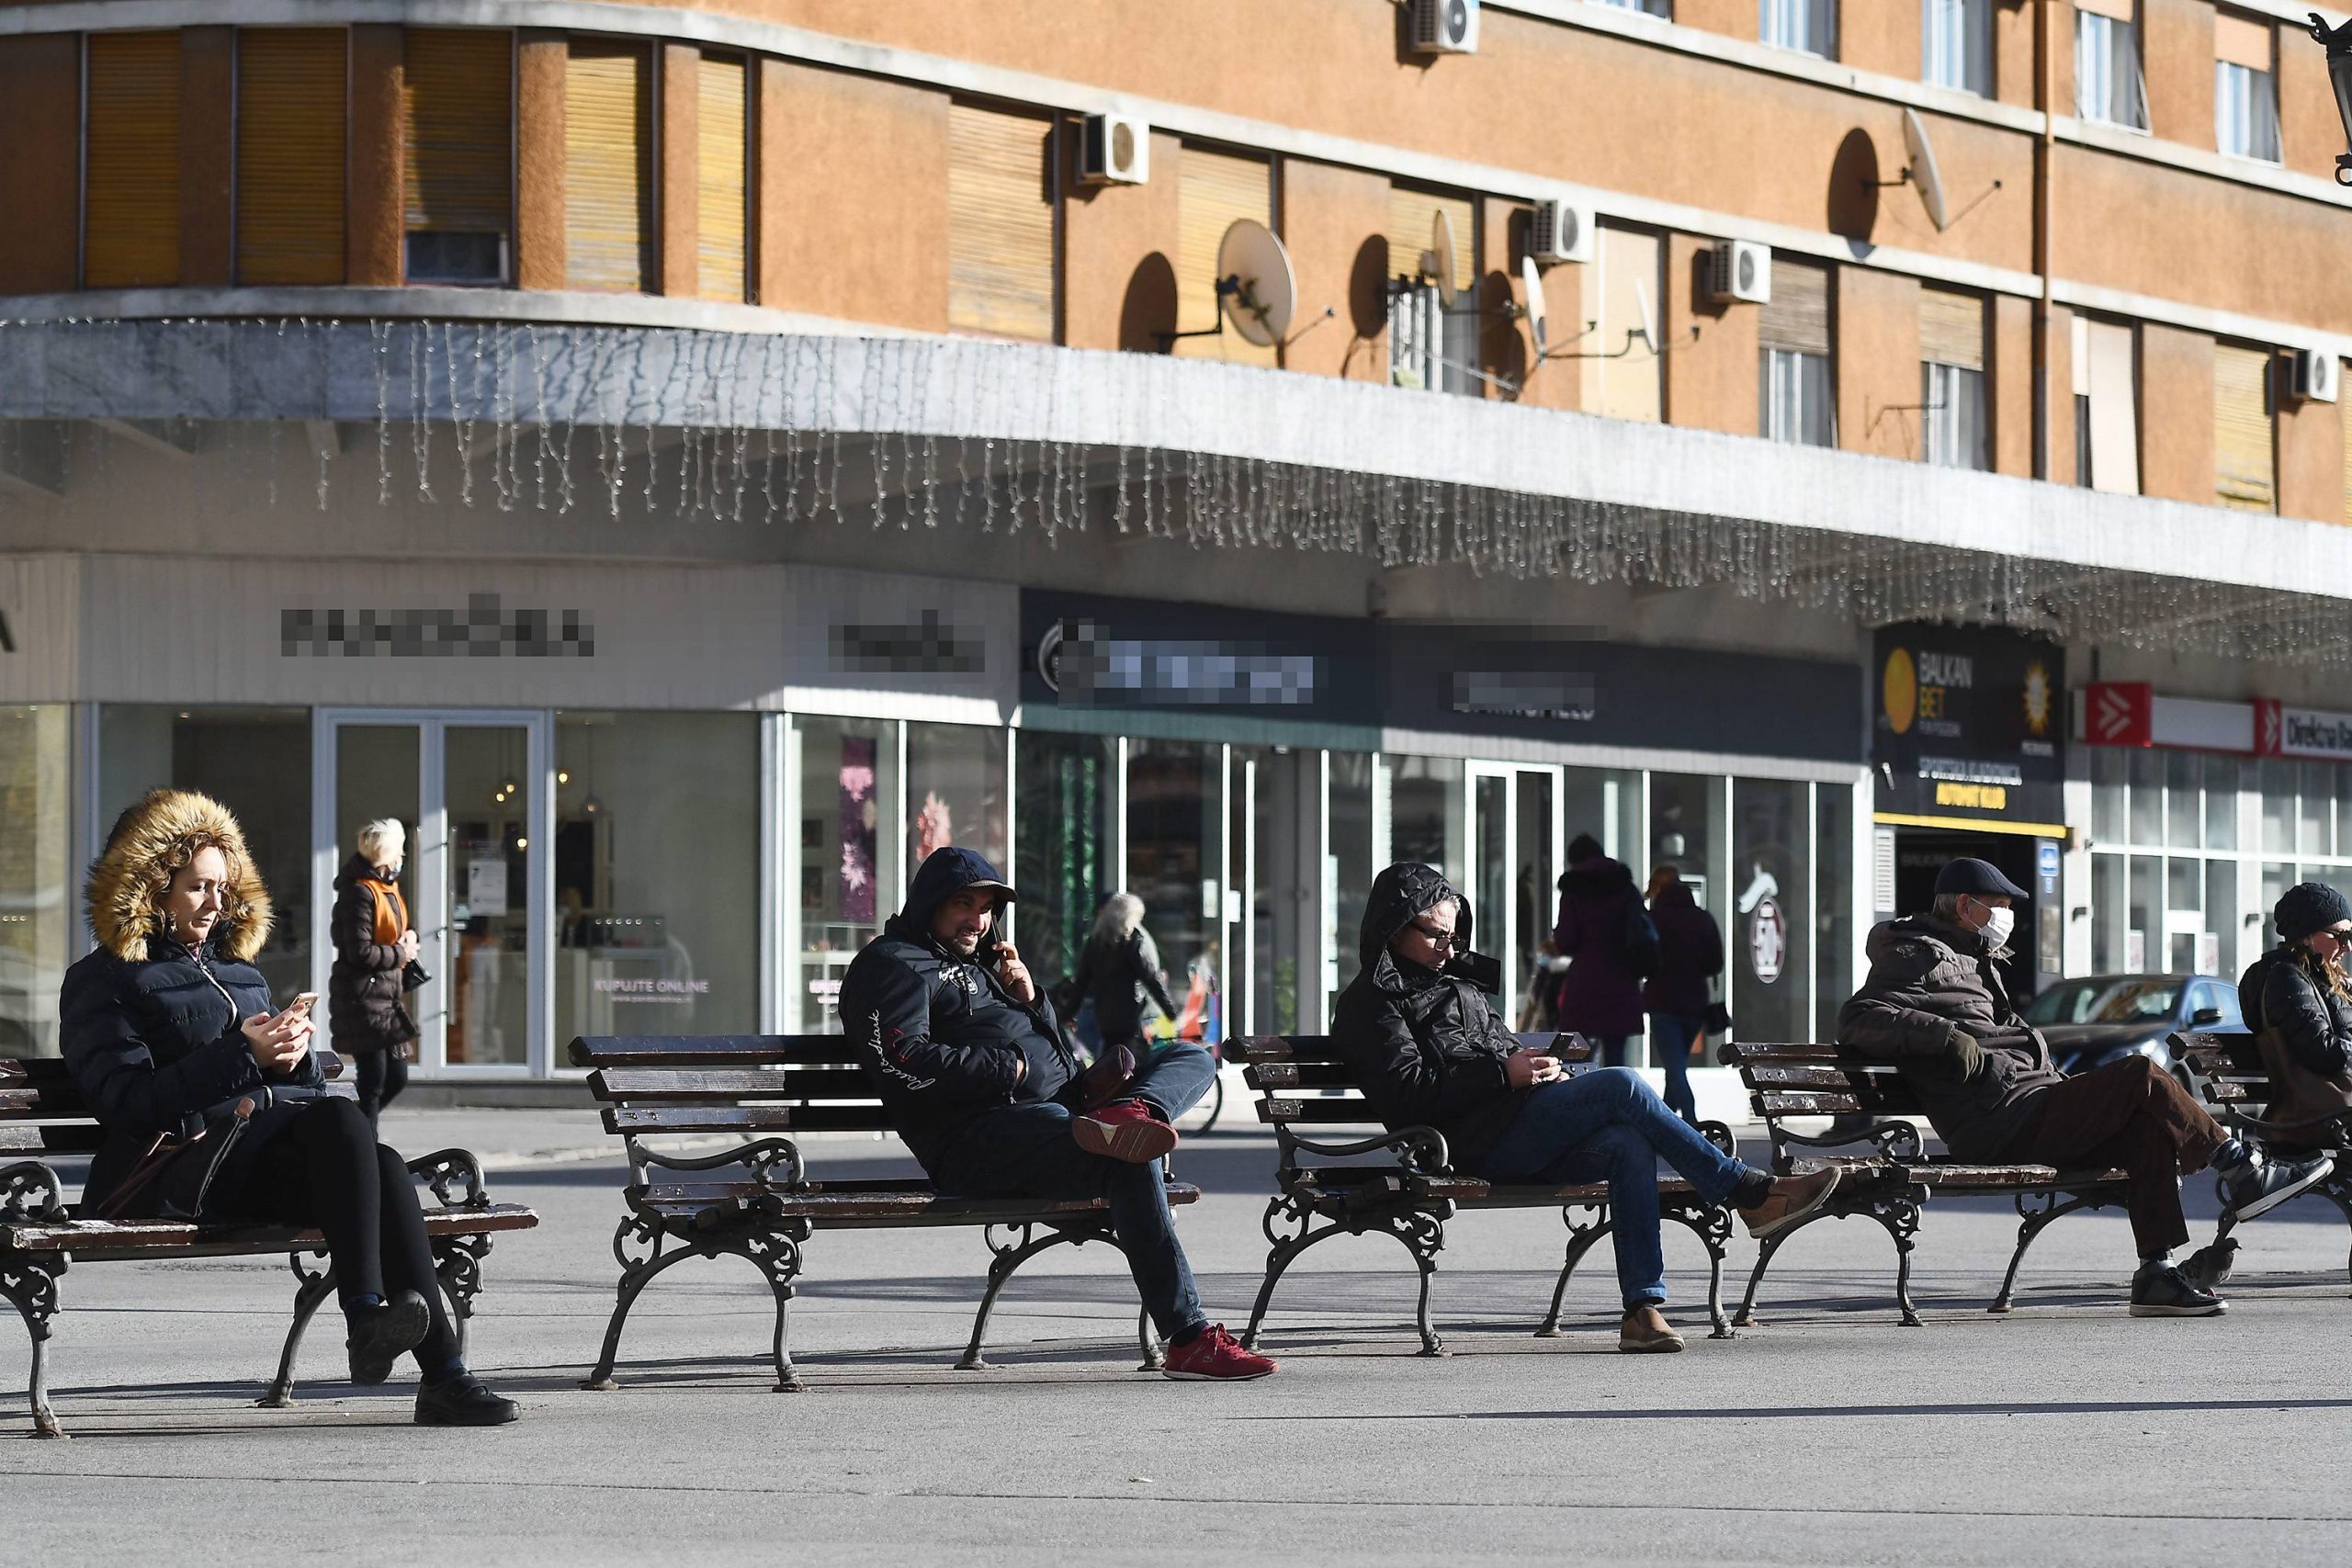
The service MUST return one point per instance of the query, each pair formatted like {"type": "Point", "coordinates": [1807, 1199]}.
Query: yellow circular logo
{"type": "Point", "coordinates": [1899, 690]}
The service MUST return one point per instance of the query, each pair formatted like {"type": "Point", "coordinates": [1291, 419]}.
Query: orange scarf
{"type": "Point", "coordinates": [392, 911]}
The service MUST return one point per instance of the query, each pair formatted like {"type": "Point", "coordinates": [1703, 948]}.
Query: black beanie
{"type": "Point", "coordinates": [1582, 848]}
{"type": "Point", "coordinates": [2309, 907]}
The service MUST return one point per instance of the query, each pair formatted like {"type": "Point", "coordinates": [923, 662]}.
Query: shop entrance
{"type": "Point", "coordinates": [470, 789]}
{"type": "Point", "coordinates": [1514, 853]}
{"type": "Point", "coordinates": [1921, 852]}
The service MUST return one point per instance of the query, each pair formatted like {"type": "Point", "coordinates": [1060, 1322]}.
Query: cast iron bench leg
{"type": "Point", "coordinates": [1155, 1354]}
{"type": "Point", "coordinates": [456, 1262]}
{"type": "Point", "coordinates": [1581, 1240]}
{"type": "Point", "coordinates": [1417, 1231]}
{"type": "Point", "coordinates": [1713, 1227]}
{"type": "Point", "coordinates": [1765, 1252]}
{"type": "Point", "coordinates": [31, 1285]}
{"type": "Point", "coordinates": [310, 1289]}
{"type": "Point", "coordinates": [1009, 1256]}
{"type": "Point", "coordinates": [1901, 1218]}
{"type": "Point", "coordinates": [2037, 1209]}
{"type": "Point", "coordinates": [636, 1274]}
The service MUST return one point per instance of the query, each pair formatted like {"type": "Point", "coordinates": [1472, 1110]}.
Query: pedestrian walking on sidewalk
{"type": "Point", "coordinates": [214, 1107]}
{"type": "Point", "coordinates": [1119, 972]}
{"type": "Point", "coordinates": [1691, 953]}
{"type": "Point", "coordinates": [1612, 948]}
{"type": "Point", "coordinates": [375, 955]}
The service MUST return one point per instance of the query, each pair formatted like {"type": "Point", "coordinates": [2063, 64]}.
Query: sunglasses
{"type": "Point", "coordinates": [1444, 942]}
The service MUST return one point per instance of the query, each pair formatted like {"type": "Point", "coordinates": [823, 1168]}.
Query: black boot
{"type": "Point", "coordinates": [462, 1401]}
{"type": "Point", "coordinates": [383, 1332]}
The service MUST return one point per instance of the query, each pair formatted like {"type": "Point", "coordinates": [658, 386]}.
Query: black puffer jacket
{"type": "Point", "coordinates": [2314, 1021]}
{"type": "Point", "coordinates": [1930, 981]}
{"type": "Point", "coordinates": [366, 1006]}
{"type": "Point", "coordinates": [1121, 981]}
{"type": "Point", "coordinates": [943, 1040]}
{"type": "Point", "coordinates": [1426, 1047]}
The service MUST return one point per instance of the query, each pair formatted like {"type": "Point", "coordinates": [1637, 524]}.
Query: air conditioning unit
{"type": "Point", "coordinates": [1443, 26]}
{"type": "Point", "coordinates": [2316, 370]}
{"type": "Point", "coordinates": [1115, 150]}
{"type": "Point", "coordinates": [1741, 273]}
{"type": "Point", "coordinates": [1560, 232]}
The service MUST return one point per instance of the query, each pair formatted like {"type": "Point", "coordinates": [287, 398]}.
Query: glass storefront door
{"type": "Point", "coordinates": [1514, 855]}
{"type": "Point", "coordinates": [471, 789]}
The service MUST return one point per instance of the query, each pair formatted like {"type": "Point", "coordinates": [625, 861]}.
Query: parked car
{"type": "Point", "coordinates": [2103, 1018]}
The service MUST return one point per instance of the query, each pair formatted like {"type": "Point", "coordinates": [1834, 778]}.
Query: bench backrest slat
{"type": "Point", "coordinates": [712, 1051]}
{"type": "Point", "coordinates": [718, 1119]}
{"type": "Point", "coordinates": [40, 1089]}
{"type": "Point", "coordinates": [739, 1083]}
{"type": "Point", "coordinates": [725, 1086]}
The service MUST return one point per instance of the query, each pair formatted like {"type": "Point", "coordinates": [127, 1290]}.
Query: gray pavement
{"type": "Point", "coordinates": [2066, 1433]}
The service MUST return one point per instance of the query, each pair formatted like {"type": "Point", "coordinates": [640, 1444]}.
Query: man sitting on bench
{"type": "Point", "coordinates": [1935, 1003]}
{"type": "Point", "coordinates": [963, 1050]}
{"type": "Point", "coordinates": [1428, 1049]}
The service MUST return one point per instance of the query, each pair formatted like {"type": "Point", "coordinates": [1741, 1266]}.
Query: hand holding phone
{"type": "Point", "coordinates": [1013, 973]}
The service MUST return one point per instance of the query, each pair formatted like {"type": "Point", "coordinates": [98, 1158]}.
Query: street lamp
{"type": "Point", "coordinates": [2339, 73]}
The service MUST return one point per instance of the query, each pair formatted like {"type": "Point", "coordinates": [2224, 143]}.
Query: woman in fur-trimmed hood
{"type": "Point", "coordinates": [213, 1105]}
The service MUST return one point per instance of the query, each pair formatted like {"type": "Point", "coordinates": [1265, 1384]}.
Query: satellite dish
{"type": "Point", "coordinates": [1648, 309]}
{"type": "Point", "coordinates": [1255, 287]}
{"type": "Point", "coordinates": [1923, 172]}
{"type": "Point", "coordinates": [1531, 283]}
{"type": "Point", "coordinates": [1438, 260]}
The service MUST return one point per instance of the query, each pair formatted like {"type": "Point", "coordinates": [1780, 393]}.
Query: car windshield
{"type": "Point", "coordinates": [2132, 999]}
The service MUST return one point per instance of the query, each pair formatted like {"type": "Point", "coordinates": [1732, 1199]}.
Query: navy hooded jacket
{"type": "Point", "coordinates": [940, 1036]}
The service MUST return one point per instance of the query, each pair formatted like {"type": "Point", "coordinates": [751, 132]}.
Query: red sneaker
{"type": "Point", "coordinates": [1124, 1130]}
{"type": "Point", "coordinates": [1215, 1356]}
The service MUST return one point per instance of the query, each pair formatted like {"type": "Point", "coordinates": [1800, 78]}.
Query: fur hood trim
{"type": "Point", "coordinates": [152, 841]}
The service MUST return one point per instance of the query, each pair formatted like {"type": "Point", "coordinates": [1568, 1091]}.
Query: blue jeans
{"type": "Point", "coordinates": [1615, 1049]}
{"type": "Point", "coordinates": [1025, 1150]}
{"type": "Point", "coordinates": [1675, 1037]}
{"type": "Point", "coordinates": [1608, 1125]}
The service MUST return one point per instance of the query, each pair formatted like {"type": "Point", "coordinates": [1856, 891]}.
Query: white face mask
{"type": "Point", "coordinates": [1998, 924]}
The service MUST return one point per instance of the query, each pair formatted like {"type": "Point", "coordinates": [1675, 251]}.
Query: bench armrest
{"type": "Point", "coordinates": [763, 1157]}
{"type": "Point", "coordinates": [1895, 1140]}
{"type": "Point", "coordinates": [2340, 1121]}
{"type": "Point", "coordinates": [24, 1183]}
{"type": "Point", "coordinates": [443, 1167]}
{"type": "Point", "coordinates": [1420, 1150]}
{"type": "Point", "coordinates": [1720, 1134]}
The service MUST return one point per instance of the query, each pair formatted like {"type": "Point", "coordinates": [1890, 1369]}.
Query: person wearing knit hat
{"type": "Point", "coordinates": [1935, 1003]}
{"type": "Point", "coordinates": [2297, 1000]}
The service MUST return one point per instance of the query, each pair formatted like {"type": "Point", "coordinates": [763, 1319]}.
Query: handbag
{"type": "Point", "coordinates": [1718, 1017]}
{"type": "Point", "coordinates": [413, 975]}
{"type": "Point", "coordinates": [164, 1152]}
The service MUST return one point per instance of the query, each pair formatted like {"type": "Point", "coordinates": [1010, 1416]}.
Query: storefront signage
{"type": "Point", "coordinates": [486, 629]}
{"type": "Point", "coordinates": [930, 644]}
{"type": "Point", "coordinates": [1768, 940]}
{"type": "Point", "coordinates": [2130, 713]}
{"type": "Point", "coordinates": [2283, 731]}
{"type": "Point", "coordinates": [1087, 652]}
{"type": "Point", "coordinates": [1967, 725]}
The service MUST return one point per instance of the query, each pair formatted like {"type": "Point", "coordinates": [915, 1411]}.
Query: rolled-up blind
{"type": "Point", "coordinates": [131, 192]}
{"type": "Point", "coordinates": [1412, 217]}
{"type": "Point", "coordinates": [1951, 328]}
{"type": "Point", "coordinates": [457, 129]}
{"type": "Point", "coordinates": [1001, 240]}
{"type": "Point", "coordinates": [292, 113]}
{"type": "Point", "coordinates": [723, 216]}
{"type": "Point", "coordinates": [2242, 41]}
{"type": "Point", "coordinates": [2243, 470]}
{"type": "Point", "coordinates": [1797, 316]}
{"type": "Point", "coordinates": [1213, 189]}
{"type": "Point", "coordinates": [607, 176]}
{"type": "Point", "coordinates": [2121, 10]}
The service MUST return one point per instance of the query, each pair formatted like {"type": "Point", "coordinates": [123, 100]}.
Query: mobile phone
{"type": "Point", "coordinates": [301, 1006]}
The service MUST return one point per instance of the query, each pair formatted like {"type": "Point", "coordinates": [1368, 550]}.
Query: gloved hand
{"type": "Point", "coordinates": [1966, 1054]}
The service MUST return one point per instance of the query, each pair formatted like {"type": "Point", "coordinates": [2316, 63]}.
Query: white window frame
{"type": "Point", "coordinates": [1953, 427]}
{"type": "Point", "coordinates": [2245, 112]}
{"type": "Point", "coordinates": [1787, 415]}
{"type": "Point", "coordinates": [1956, 45]}
{"type": "Point", "coordinates": [2101, 43]}
{"type": "Point", "coordinates": [1809, 27]}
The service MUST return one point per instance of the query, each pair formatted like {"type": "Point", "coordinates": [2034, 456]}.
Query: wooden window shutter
{"type": "Point", "coordinates": [606, 168]}
{"type": "Point", "coordinates": [1211, 190]}
{"type": "Point", "coordinates": [1411, 217]}
{"type": "Point", "coordinates": [1797, 316]}
{"type": "Point", "coordinates": [2242, 41]}
{"type": "Point", "coordinates": [2243, 474]}
{"type": "Point", "coordinates": [132, 196]}
{"type": "Point", "coordinates": [457, 129]}
{"type": "Point", "coordinates": [2112, 386]}
{"type": "Point", "coordinates": [723, 218]}
{"type": "Point", "coordinates": [292, 115]}
{"type": "Point", "coordinates": [1000, 240]}
{"type": "Point", "coordinates": [1951, 328]}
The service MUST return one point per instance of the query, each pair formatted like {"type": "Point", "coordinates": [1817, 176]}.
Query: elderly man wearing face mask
{"type": "Point", "coordinates": [1934, 1002]}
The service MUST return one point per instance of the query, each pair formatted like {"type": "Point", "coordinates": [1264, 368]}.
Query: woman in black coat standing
{"type": "Point", "coordinates": [1119, 972]}
{"type": "Point", "coordinates": [214, 1107]}
{"type": "Point", "coordinates": [368, 1016]}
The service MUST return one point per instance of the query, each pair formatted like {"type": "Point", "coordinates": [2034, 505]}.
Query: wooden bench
{"type": "Point", "coordinates": [1893, 1181]}
{"type": "Point", "coordinates": [43, 1113]}
{"type": "Point", "coordinates": [753, 1199]}
{"type": "Point", "coordinates": [2226, 1071]}
{"type": "Point", "coordinates": [1303, 1081]}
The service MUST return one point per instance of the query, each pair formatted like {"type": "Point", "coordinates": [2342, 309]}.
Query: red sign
{"type": "Point", "coordinates": [2268, 715]}
{"type": "Point", "coordinates": [2119, 713]}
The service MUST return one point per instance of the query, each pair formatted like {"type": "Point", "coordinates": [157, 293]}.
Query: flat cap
{"type": "Point", "coordinates": [1977, 878]}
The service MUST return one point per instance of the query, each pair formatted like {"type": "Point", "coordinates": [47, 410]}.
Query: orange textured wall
{"type": "Point", "coordinates": [2014, 24]}
{"type": "Point", "coordinates": [208, 155]}
{"type": "Point", "coordinates": [2177, 46]}
{"type": "Point", "coordinates": [1879, 37]}
{"type": "Point", "coordinates": [1119, 256]}
{"type": "Point", "coordinates": [872, 248]}
{"type": "Point", "coordinates": [539, 63]}
{"type": "Point", "coordinates": [1876, 334]}
{"type": "Point", "coordinates": [2177, 415]}
{"type": "Point", "coordinates": [1732, 18]}
{"type": "Point", "coordinates": [2009, 386]}
{"type": "Point", "coordinates": [678, 202]}
{"type": "Point", "coordinates": [1336, 223]}
{"type": "Point", "coordinates": [375, 209]}
{"type": "Point", "coordinates": [2310, 459]}
{"type": "Point", "coordinates": [2310, 131]}
{"type": "Point", "coordinates": [40, 178]}
{"type": "Point", "coordinates": [1711, 383]}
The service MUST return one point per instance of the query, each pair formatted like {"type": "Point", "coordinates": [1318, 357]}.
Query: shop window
{"type": "Point", "coordinates": [1952, 378]}
{"type": "Point", "coordinates": [2111, 913]}
{"type": "Point", "coordinates": [1808, 26]}
{"type": "Point", "coordinates": [2222, 775]}
{"type": "Point", "coordinates": [607, 168]}
{"type": "Point", "coordinates": [1065, 788]}
{"type": "Point", "coordinates": [1277, 801]}
{"type": "Point", "coordinates": [1795, 389]}
{"type": "Point", "coordinates": [256, 762]}
{"type": "Point", "coordinates": [2244, 453]}
{"type": "Point", "coordinates": [1768, 943]}
{"type": "Point", "coordinates": [457, 135]}
{"type": "Point", "coordinates": [1428, 813]}
{"type": "Point", "coordinates": [2109, 87]}
{"type": "Point", "coordinates": [1956, 45]}
{"type": "Point", "coordinates": [2246, 87]}
{"type": "Point", "coordinates": [1002, 201]}
{"type": "Point", "coordinates": [2106, 794]}
{"type": "Point", "coordinates": [657, 873]}
{"type": "Point", "coordinates": [2183, 798]}
{"type": "Point", "coordinates": [2315, 809]}
{"type": "Point", "coordinates": [954, 791]}
{"type": "Point", "coordinates": [722, 218]}
{"type": "Point", "coordinates": [40, 901]}
{"type": "Point", "coordinates": [1175, 853]}
{"type": "Point", "coordinates": [131, 153]}
{"type": "Point", "coordinates": [852, 872]}
{"type": "Point", "coordinates": [2278, 786]}
{"type": "Point", "coordinates": [1833, 879]}
{"type": "Point", "coordinates": [1347, 870]}
{"type": "Point", "coordinates": [1214, 190]}
{"type": "Point", "coordinates": [2147, 797]}
{"type": "Point", "coordinates": [1625, 291]}
{"type": "Point", "coordinates": [2106, 418]}
{"type": "Point", "coordinates": [291, 123]}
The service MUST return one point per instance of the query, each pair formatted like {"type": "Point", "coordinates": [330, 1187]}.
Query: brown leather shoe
{"type": "Point", "coordinates": [1645, 1331]}
{"type": "Point", "coordinates": [1791, 1200]}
